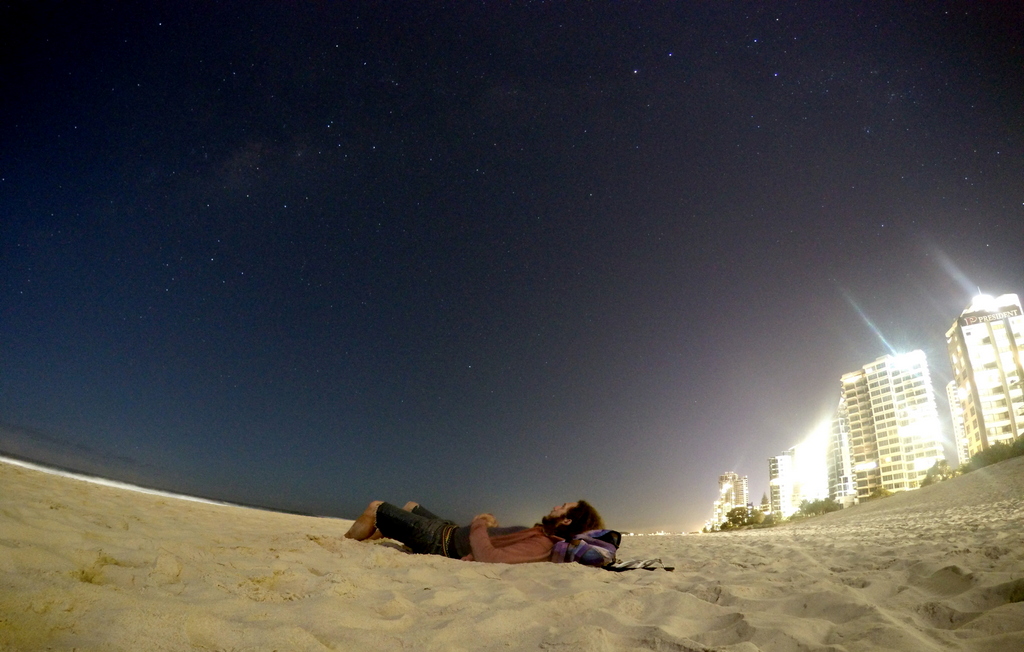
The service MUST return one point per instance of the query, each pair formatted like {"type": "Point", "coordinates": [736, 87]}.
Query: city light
{"type": "Point", "coordinates": [809, 469]}
{"type": "Point", "coordinates": [885, 434]}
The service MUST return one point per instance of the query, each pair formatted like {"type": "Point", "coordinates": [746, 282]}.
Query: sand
{"type": "Point", "coordinates": [88, 567]}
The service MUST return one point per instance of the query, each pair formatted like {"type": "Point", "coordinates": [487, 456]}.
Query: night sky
{"type": "Point", "coordinates": [487, 256]}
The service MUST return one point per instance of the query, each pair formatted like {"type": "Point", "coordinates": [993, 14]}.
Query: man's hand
{"type": "Point", "coordinates": [488, 519]}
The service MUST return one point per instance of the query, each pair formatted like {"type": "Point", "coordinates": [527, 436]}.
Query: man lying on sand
{"type": "Point", "coordinates": [482, 540]}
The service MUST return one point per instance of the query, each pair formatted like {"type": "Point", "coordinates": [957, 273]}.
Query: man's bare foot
{"type": "Point", "coordinates": [366, 525]}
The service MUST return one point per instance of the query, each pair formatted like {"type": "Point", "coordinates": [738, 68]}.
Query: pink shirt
{"type": "Point", "coordinates": [521, 547]}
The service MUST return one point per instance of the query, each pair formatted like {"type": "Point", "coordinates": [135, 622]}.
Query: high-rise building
{"type": "Point", "coordinates": [742, 492]}
{"type": "Point", "coordinates": [796, 475]}
{"type": "Point", "coordinates": [732, 493]}
{"type": "Point", "coordinates": [986, 347]}
{"type": "Point", "coordinates": [780, 483]}
{"type": "Point", "coordinates": [841, 487]}
{"type": "Point", "coordinates": [894, 426]}
{"type": "Point", "coordinates": [956, 411]}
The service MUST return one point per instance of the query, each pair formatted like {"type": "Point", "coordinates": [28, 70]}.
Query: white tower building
{"type": "Point", "coordinates": [780, 484]}
{"type": "Point", "coordinates": [986, 347]}
{"type": "Point", "coordinates": [894, 424]}
{"type": "Point", "coordinates": [841, 487]}
{"type": "Point", "coordinates": [732, 493]}
{"type": "Point", "coordinates": [956, 410]}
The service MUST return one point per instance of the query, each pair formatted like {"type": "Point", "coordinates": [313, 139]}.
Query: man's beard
{"type": "Point", "coordinates": [551, 526]}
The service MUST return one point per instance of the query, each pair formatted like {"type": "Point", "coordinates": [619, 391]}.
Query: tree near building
{"type": "Point", "coordinates": [742, 516]}
{"type": "Point", "coordinates": [881, 492]}
{"type": "Point", "coordinates": [819, 507]}
{"type": "Point", "coordinates": [736, 516]}
{"type": "Point", "coordinates": [994, 454]}
{"type": "Point", "coordinates": [940, 471]}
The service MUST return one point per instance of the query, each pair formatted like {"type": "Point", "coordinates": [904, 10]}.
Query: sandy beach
{"type": "Point", "coordinates": [89, 567]}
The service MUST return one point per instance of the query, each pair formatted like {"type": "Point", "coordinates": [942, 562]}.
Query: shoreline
{"type": "Point", "coordinates": [63, 472]}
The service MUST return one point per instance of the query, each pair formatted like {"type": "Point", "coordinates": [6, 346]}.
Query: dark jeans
{"type": "Point", "coordinates": [423, 531]}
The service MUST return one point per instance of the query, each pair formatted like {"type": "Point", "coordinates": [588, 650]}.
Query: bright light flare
{"type": "Point", "coordinates": [955, 273]}
{"type": "Point", "coordinates": [922, 464]}
{"type": "Point", "coordinates": [809, 466]}
{"type": "Point", "coordinates": [870, 324]}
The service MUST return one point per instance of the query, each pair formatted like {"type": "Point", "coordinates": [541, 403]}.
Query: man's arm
{"type": "Point", "coordinates": [529, 550]}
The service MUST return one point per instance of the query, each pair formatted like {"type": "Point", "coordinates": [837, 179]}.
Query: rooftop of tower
{"type": "Point", "coordinates": [988, 303]}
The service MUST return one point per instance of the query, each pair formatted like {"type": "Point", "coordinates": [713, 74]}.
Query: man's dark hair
{"type": "Point", "coordinates": [583, 516]}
